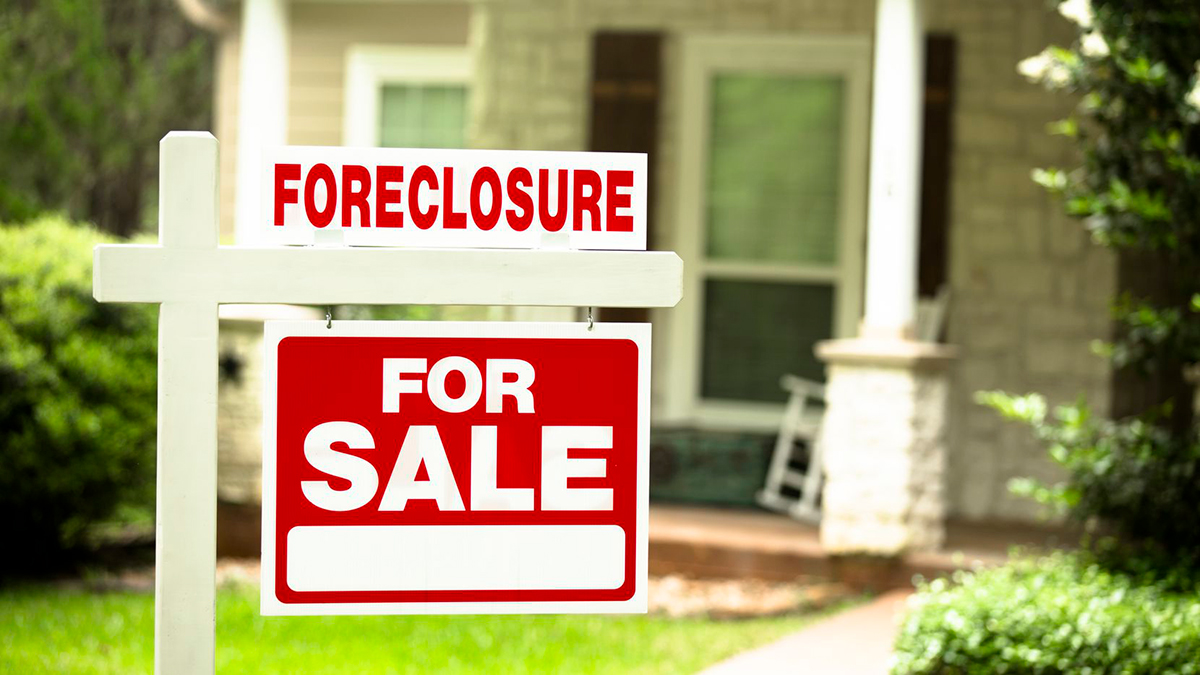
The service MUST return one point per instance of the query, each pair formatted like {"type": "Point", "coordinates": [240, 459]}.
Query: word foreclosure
{"type": "Point", "coordinates": [467, 198]}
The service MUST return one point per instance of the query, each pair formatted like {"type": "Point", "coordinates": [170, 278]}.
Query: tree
{"type": "Point", "coordinates": [1138, 190]}
{"type": "Point", "coordinates": [1136, 67]}
{"type": "Point", "coordinates": [87, 88]}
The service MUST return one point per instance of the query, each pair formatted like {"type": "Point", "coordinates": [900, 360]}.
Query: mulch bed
{"type": "Point", "coordinates": [670, 595]}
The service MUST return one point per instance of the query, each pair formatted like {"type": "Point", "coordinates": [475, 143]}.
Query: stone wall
{"type": "Point", "coordinates": [885, 492]}
{"type": "Point", "coordinates": [239, 411]}
{"type": "Point", "coordinates": [1028, 290]}
{"type": "Point", "coordinates": [239, 397]}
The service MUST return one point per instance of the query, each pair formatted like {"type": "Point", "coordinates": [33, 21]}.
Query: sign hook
{"type": "Point", "coordinates": [591, 324]}
{"type": "Point", "coordinates": [329, 317]}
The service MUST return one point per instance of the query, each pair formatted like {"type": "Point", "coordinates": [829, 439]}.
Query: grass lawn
{"type": "Point", "coordinates": [47, 629]}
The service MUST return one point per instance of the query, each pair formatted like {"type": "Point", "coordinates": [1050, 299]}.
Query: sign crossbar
{"type": "Point", "coordinates": [374, 276]}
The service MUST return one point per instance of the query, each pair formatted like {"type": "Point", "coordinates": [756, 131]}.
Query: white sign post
{"type": "Point", "coordinates": [188, 274]}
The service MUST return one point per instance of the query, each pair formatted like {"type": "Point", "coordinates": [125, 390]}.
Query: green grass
{"type": "Point", "coordinates": [47, 629]}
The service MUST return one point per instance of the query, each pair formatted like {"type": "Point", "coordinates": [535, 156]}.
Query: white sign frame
{"type": "Point", "coordinates": [188, 274]}
{"type": "Point", "coordinates": [278, 330]}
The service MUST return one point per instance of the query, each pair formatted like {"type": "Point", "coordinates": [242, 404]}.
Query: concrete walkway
{"type": "Point", "coordinates": [855, 642]}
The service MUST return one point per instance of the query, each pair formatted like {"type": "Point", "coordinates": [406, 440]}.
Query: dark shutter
{"type": "Point", "coordinates": [625, 91]}
{"type": "Point", "coordinates": [935, 163]}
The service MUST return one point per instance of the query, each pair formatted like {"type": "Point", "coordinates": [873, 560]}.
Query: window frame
{"type": "Point", "coordinates": [702, 57]}
{"type": "Point", "coordinates": [370, 67]}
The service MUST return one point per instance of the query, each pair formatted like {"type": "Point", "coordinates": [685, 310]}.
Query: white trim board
{"type": "Point", "coordinates": [703, 56]}
{"type": "Point", "coordinates": [369, 67]}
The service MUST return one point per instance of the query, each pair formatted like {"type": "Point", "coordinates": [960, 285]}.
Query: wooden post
{"type": "Point", "coordinates": [186, 522]}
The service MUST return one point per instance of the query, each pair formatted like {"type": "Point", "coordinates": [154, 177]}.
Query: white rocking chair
{"type": "Point", "coordinates": [796, 426]}
{"type": "Point", "coordinates": [783, 480]}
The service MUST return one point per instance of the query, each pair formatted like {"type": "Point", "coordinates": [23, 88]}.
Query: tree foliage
{"type": "Point", "coordinates": [1136, 66]}
{"type": "Point", "coordinates": [1136, 69]}
{"type": "Point", "coordinates": [87, 88]}
{"type": "Point", "coordinates": [1132, 603]}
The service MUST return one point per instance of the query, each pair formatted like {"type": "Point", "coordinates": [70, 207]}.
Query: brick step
{"type": "Point", "coordinates": [705, 542]}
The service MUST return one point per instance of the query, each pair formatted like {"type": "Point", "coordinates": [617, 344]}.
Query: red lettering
{"type": "Point", "coordinates": [520, 199]}
{"type": "Point", "coordinates": [283, 194]}
{"type": "Point", "coordinates": [617, 200]}
{"type": "Point", "coordinates": [552, 223]}
{"type": "Point", "coordinates": [485, 221]}
{"type": "Point", "coordinates": [589, 179]}
{"type": "Point", "coordinates": [454, 220]}
{"type": "Point", "coordinates": [320, 172]}
{"type": "Point", "coordinates": [385, 196]}
{"type": "Point", "coordinates": [356, 199]}
{"type": "Point", "coordinates": [422, 219]}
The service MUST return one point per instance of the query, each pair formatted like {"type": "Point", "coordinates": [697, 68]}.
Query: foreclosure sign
{"type": "Point", "coordinates": [455, 198]}
{"type": "Point", "coordinates": [436, 467]}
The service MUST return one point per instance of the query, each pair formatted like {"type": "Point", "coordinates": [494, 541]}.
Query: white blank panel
{"type": "Point", "coordinates": [455, 557]}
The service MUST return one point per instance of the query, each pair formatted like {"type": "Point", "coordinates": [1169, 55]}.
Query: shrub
{"type": "Point", "coordinates": [1063, 613]}
{"type": "Point", "coordinates": [77, 393]}
{"type": "Point", "coordinates": [1133, 477]}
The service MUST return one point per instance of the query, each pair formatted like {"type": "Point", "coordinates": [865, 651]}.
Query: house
{"type": "Point", "coordinates": [816, 163]}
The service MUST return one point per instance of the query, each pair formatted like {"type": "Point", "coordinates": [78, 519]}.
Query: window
{"type": "Point", "coordinates": [423, 115]}
{"type": "Point", "coordinates": [770, 220]}
{"type": "Point", "coordinates": [407, 96]}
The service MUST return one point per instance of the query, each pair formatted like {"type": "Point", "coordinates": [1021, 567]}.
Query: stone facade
{"type": "Point", "coordinates": [239, 398]}
{"type": "Point", "coordinates": [239, 412]}
{"type": "Point", "coordinates": [884, 441]}
{"type": "Point", "coordinates": [1028, 291]}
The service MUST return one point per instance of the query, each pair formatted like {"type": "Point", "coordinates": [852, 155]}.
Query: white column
{"type": "Point", "coordinates": [894, 200]}
{"type": "Point", "coordinates": [186, 494]}
{"type": "Point", "coordinates": [884, 429]}
{"type": "Point", "coordinates": [262, 103]}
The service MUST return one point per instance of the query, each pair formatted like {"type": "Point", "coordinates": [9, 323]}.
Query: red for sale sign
{"type": "Point", "coordinates": [436, 467]}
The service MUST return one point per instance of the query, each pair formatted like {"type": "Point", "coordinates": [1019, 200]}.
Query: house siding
{"type": "Point", "coordinates": [225, 106]}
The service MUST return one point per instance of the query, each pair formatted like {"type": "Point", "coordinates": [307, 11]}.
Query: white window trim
{"type": "Point", "coordinates": [702, 56]}
{"type": "Point", "coordinates": [370, 67]}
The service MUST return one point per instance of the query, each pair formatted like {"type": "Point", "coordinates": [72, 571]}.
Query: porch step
{"type": "Point", "coordinates": [719, 543]}
{"type": "Point", "coordinates": [714, 543]}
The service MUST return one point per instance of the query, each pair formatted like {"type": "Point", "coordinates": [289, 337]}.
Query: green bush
{"type": "Point", "coordinates": [1131, 477]}
{"type": "Point", "coordinates": [77, 393]}
{"type": "Point", "coordinates": [1060, 614]}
